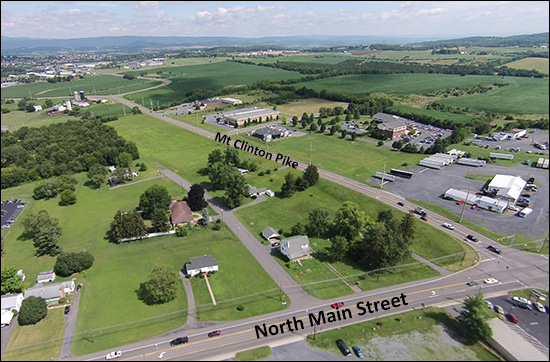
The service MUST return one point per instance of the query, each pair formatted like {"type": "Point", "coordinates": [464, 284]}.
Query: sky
{"type": "Point", "coordinates": [255, 19]}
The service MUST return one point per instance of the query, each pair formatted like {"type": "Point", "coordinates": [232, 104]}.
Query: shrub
{"type": "Point", "coordinates": [32, 311]}
{"type": "Point", "coordinates": [181, 231]}
{"type": "Point", "coordinates": [70, 263]}
{"type": "Point", "coordinates": [216, 227]}
{"type": "Point", "coordinates": [240, 308]}
{"type": "Point", "coordinates": [62, 301]}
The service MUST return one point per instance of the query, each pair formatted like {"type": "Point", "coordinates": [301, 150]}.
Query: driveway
{"type": "Point", "coordinates": [70, 327]}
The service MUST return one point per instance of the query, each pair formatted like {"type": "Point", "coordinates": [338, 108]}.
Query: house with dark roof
{"type": "Point", "coordinates": [201, 264]}
{"type": "Point", "coordinates": [180, 213]}
{"type": "Point", "coordinates": [296, 248]}
{"type": "Point", "coordinates": [390, 125]}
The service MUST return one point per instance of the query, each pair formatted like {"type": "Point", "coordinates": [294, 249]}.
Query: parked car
{"type": "Point", "coordinates": [499, 309]}
{"type": "Point", "coordinates": [67, 309]}
{"type": "Point", "coordinates": [343, 348]}
{"type": "Point", "coordinates": [494, 250]}
{"type": "Point", "coordinates": [113, 355]}
{"type": "Point", "coordinates": [490, 281]}
{"type": "Point", "coordinates": [358, 352]}
{"type": "Point", "coordinates": [521, 300]}
{"type": "Point", "coordinates": [337, 305]}
{"type": "Point", "coordinates": [523, 305]}
{"type": "Point", "coordinates": [474, 207]}
{"type": "Point", "coordinates": [178, 341]}
{"type": "Point", "coordinates": [539, 307]}
{"type": "Point", "coordinates": [531, 180]}
{"type": "Point", "coordinates": [513, 208]}
{"type": "Point", "coordinates": [512, 318]}
{"type": "Point", "coordinates": [472, 283]}
{"type": "Point", "coordinates": [214, 333]}
{"type": "Point", "coordinates": [449, 226]}
{"type": "Point", "coordinates": [489, 304]}
{"type": "Point", "coordinates": [472, 238]}
{"type": "Point", "coordinates": [522, 204]}
{"type": "Point", "coordinates": [460, 202]}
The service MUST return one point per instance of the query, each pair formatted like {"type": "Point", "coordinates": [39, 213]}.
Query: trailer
{"type": "Point", "coordinates": [471, 162]}
{"type": "Point", "coordinates": [386, 176]}
{"type": "Point", "coordinates": [525, 212]}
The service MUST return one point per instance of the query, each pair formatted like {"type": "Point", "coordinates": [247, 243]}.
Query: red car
{"type": "Point", "coordinates": [424, 218]}
{"type": "Point", "coordinates": [214, 333]}
{"type": "Point", "coordinates": [474, 207]}
{"type": "Point", "coordinates": [460, 202]}
{"type": "Point", "coordinates": [337, 305]}
{"type": "Point", "coordinates": [512, 318]}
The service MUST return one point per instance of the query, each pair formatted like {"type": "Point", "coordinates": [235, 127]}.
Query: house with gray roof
{"type": "Point", "coordinates": [254, 191]}
{"type": "Point", "coordinates": [270, 233]}
{"type": "Point", "coordinates": [45, 277]}
{"type": "Point", "coordinates": [201, 264]}
{"type": "Point", "coordinates": [296, 248]}
{"type": "Point", "coordinates": [50, 292]}
{"type": "Point", "coordinates": [10, 303]}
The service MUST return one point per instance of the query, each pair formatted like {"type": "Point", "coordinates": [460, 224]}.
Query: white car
{"type": "Point", "coordinates": [539, 307]}
{"type": "Point", "coordinates": [489, 304]}
{"type": "Point", "coordinates": [490, 281]}
{"type": "Point", "coordinates": [449, 226]}
{"type": "Point", "coordinates": [113, 355]}
{"type": "Point", "coordinates": [522, 300]}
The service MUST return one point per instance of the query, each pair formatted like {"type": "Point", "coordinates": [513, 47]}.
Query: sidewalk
{"type": "Point", "coordinates": [511, 345]}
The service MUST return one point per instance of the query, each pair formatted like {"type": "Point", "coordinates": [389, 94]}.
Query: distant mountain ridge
{"type": "Point", "coordinates": [15, 45]}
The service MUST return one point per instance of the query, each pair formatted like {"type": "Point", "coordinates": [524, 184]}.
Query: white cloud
{"type": "Point", "coordinates": [145, 5]}
{"type": "Point", "coordinates": [74, 11]}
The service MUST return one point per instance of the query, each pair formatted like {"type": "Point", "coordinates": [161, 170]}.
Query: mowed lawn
{"type": "Point", "coordinates": [99, 84]}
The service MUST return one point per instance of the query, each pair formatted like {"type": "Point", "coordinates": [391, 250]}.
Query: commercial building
{"type": "Point", "coordinates": [270, 133]}
{"type": "Point", "coordinates": [390, 125]}
{"type": "Point", "coordinates": [506, 187]}
{"type": "Point", "coordinates": [239, 117]}
{"type": "Point", "coordinates": [471, 198]}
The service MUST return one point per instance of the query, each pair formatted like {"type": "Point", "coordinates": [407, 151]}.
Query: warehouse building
{"type": "Point", "coordinates": [239, 117]}
{"type": "Point", "coordinates": [506, 187]}
{"type": "Point", "coordinates": [482, 202]}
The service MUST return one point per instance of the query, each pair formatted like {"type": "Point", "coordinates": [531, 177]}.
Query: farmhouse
{"type": "Point", "coordinates": [240, 116]}
{"type": "Point", "coordinates": [201, 264]}
{"type": "Point", "coordinates": [390, 125]}
{"type": "Point", "coordinates": [45, 277]}
{"type": "Point", "coordinates": [50, 292]}
{"type": "Point", "coordinates": [180, 213]}
{"type": "Point", "coordinates": [270, 233]}
{"type": "Point", "coordinates": [506, 187]}
{"type": "Point", "coordinates": [296, 248]}
{"type": "Point", "coordinates": [10, 303]}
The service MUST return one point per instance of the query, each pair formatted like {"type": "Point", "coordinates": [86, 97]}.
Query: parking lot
{"type": "Point", "coordinates": [429, 185]}
{"type": "Point", "coordinates": [522, 144]}
{"type": "Point", "coordinates": [10, 211]}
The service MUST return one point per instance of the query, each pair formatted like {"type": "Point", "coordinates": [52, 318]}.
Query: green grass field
{"type": "Point", "coordinates": [91, 85]}
{"type": "Point", "coordinates": [443, 116]}
{"type": "Point", "coordinates": [538, 64]}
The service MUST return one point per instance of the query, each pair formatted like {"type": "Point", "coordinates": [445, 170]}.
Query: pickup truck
{"type": "Point", "coordinates": [420, 211]}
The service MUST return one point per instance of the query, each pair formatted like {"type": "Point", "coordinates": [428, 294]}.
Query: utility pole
{"type": "Point", "coordinates": [124, 110]}
{"type": "Point", "coordinates": [281, 291]}
{"type": "Point", "coordinates": [383, 175]}
{"type": "Point", "coordinates": [543, 244]}
{"type": "Point", "coordinates": [310, 150]}
{"type": "Point", "coordinates": [464, 206]}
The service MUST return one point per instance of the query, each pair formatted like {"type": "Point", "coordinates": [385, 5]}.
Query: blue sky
{"type": "Point", "coordinates": [254, 19]}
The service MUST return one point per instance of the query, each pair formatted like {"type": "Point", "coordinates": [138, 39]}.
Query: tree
{"type": "Point", "coordinates": [289, 187]}
{"type": "Point", "coordinates": [220, 173]}
{"type": "Point", "coordinates": [181, 231]}
{"type": "Point", "coordinates": [69, 263]}
{"type": "Point", "coordinates": [407, 226]}
{"type": "Point", "coordinates": [11, 282]}
{"type": "Point", "coordinates": [161, 286]}
{"type": "Point", "coordinates": [32, 310]}
{"type": "Point", "coordinates": [159, 219]}
{"type": "Point", "coordinates": [234, 190]}
{"type": "Point", "coordinates": [319, 222]}
{"type": "Point", "coordinates": [66, 198]}
{"type": "Point", "coordinates": [385, 215]}
{"type": "Point", "coordinates": [349, 220]}
{"type": "Point", "coordinates": [338, 249]}
{"type": "Point", "coordinates": [313, 127]}
{"type": "Point", "coordinates": [353, 136]}
{"type": "Point", "coordinates": [232, 156]}
{"type": "Point", "coordinates": [155, 197]}
{"type": "Point", "coordinates": [298, 229]}
{"type": "Point", "coordinates": [215, 156]}
{"type": "Point", "coordinates": [22, 105]}
{"type": "Point", "coordinates": [123, 160]}
{"type": "Point", "coordinates": [98, 175]}
{"type": "Point", "coordinates": [44, 231]}
{"type": "Point", "coordinates": [195, 198]}
{"type": "Point", "coordinates": [30, 107]}
{"type": "Point", "coordinates": [311, 175]}
{"type": "Point", "coordinates": [136, 110]}
{"type": "Point", "coordinates": [127, 225]}
{"type": "Point", "coordinates": [474, 319]}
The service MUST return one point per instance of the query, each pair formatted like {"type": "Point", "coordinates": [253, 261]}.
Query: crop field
{"type": "Point", "coordinates": [91, 85]}
{"type": "Point", "coordinates": [538, 64]}
{"type": "Point", "coordinates": [362, 84]}
{"type": "Point", "coordinates": [311, 105]}
{"type": "Point", "coordinates": [316, 59]}
{"type": "Point", "coordinates": [520, 96]}
{"type": "Point", "coordinates": [456, 118]}
{"type": "Point", "coordinates": [209, 77]}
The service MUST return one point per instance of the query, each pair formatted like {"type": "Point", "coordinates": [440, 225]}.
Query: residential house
{"type": "Point", "coordinates": [201, 264]}
{"type": "Point", "coordinates": [296, 247]}
{"type": "Point", "coordinates": [180, 213]}
{"type": "Point", "coordinates": [270, 233]}
{"type": "Point", "coordinates": [10, 303]}
{"type": "Point", "coordinates": [45, 277]}
{"type": "Point", "coordinates": [253, 191]}
{"type": "Point", "coordinates": [50, 292]}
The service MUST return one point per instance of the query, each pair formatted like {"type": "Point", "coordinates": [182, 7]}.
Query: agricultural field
{"type": "Point", "coordinates": [311, 105]}
{"type": "Point", "coordinates": [443, 116]}
{"type": "Point", "coordinates": [91, 85]}
{"type": "Point", "coordinates": [538, 64]}
{"type": "Point", "coordinates": [212, 77]}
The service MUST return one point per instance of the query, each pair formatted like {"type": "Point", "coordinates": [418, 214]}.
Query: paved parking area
{"type": "Point", "coordinates": [429, 185]}
{"type": "Point", "coordinates": [524, 144]}
{"type": "Point", "coordinates": [10, 211]}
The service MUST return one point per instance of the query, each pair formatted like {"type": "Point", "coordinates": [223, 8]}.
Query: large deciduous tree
{"type": "Point", "coordinates": [161, 286]}
{"type": "Point", "coordinates": [127, 225]}
{"type": "Point", "coordinates": [195, 198]}
{"type": "Point", "coordinates": [474, 319]}
{"type": "Point", "coordinates": [319, 222]}
{"type": "Point", "coordinates": [11, 282]}
{"type": "Point", "coordinates": [44, 231]}
{"type": "Point", "coordinates": [289, 187]}
{"type": "Point", "coordinates": [155, 197]}
{"type": "Point", "coordinates": [349, 220]}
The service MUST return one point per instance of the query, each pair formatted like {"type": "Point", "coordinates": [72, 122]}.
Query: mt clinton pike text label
{"type": "Point", "coordinates": [243, 145]}
{"type": "Point", "coordinates": [329, 317]}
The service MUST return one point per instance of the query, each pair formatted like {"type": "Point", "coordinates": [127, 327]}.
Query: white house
{"type": "Point", "coordinates": [201, 264]}
{"type": "Point", "coordinates": [45, 277]}
{"type": "Point", "coordinates": [253, 191]}
{"type": "Point", "coordinates": [50, 292]}
{"type": "Point", "coordinates": [10, 303]}
{"type": "Point", "coordinates": [296, 248]}
{"type": "Point", "coordinates": [270, 233]}
{"type": "Point", "coordinates": [37, 107]}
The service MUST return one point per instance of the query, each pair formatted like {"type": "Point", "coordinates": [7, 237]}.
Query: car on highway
{"type": "Point", "coordinates": [494, 250]}
{"type": "Point", "coordinates": [358, 352]}
{"type": "Point", "coordinates": [490, 281]}
{"type": "Point", "coordinates": [472, 283]}
{"type": "Point", "coordinates": [337, 305]}
{"type": "Point", "coordinates": [499, 309]}
{"type": "Point", "coordinates": [539, 307]}
{"type": "Point", "coordinates": [512, 318]}
{"type": "Point", "coordinates": [448, 226]}
{"type": "Point", "coordinates": [472, 238]}
{"type": "Point", "coordinates": [178, 341]}
{"type": "Point", "coordinates": [214, 333]}
{"type": "Point", "coordinates": [113, 355]}
{"type": "Point", "coordinates": [423, 217]}
{"type": "Point", "coordinates": [400, 203]}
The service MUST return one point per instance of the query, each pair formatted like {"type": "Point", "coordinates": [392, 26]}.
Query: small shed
{"type": "Point", "coordinates": [270, 233]}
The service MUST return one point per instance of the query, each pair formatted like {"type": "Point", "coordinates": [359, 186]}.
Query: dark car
{"type": "Point", "coordinates": [358, 352]}
{"type": "Point", "coordinates": [494, 250]}
{"type": "Point", "coordinates": [522, 204]}
{"type": "Point", "coordinates": [472, 283]}
{"type": "Point", "coordinates": [179, 340]}
{"type": "Point", "coordinates": [343, 348]}
{"type": "Point", "coordinates": [400, 203]}
{"type": "Point", "coordinates": [472, 238]}
{"type": "Point", "coordinates": [512, 318]}
{"type": "Point", "coordinates": [67, 309]}
{"type": "Point", "coordinates": [531, 180]}
{"type": "Point", "coordinates": [78, 287]}
{"type": "Point", "coordinates": [214, 333]}
{"type": "Point", "coordinates": [337, 305]}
